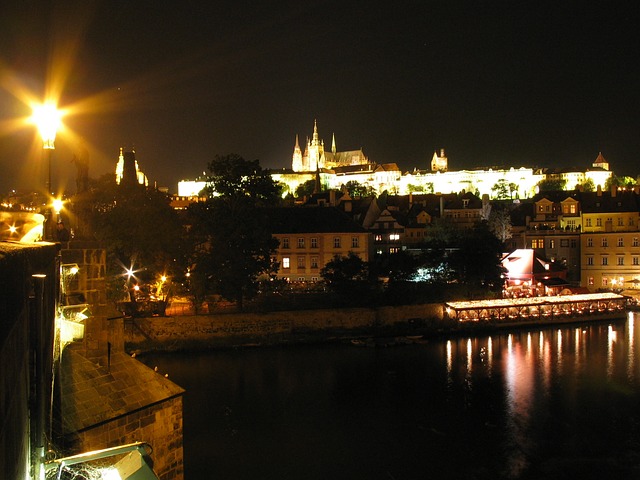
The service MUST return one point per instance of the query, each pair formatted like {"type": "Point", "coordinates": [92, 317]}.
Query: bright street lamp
{"type": "Point", "coordinates": [48, 120]}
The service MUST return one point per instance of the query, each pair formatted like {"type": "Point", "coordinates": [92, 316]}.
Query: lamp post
{"type": "Point", "coordinates": [47, 119]}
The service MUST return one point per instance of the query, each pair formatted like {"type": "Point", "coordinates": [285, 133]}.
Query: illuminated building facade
{"type": "Point", "coordinates": [610, 240]}
{"type": "Point", "coordinates": [311, 237]}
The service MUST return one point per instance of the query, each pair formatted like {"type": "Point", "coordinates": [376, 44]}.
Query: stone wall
{"type": "Point", "coordinates": [194, 331]}
{"type": "Point", "coordinates": [19, 315]}
{"type": "Point", "coordinates": [159, 425]}
{"type": "Point", "coordinates": [108, 398]}
{"type": "Point", "coordinates": [119, 401]}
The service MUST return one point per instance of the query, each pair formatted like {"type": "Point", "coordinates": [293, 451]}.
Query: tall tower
{"type": "Point", "coordinates": [128, 171]}
{"type": "Point", "coordinates": [313, 157]}
{"type": "Point", "coordinates": [296, 162]}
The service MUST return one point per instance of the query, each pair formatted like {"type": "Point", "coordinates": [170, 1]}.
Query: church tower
{"type": "Point", "coordinates": [600, 162]}
{"type": "Point", "coordinates": [296, 163]}
{"type": "Point", "coordinates": [313, 157]}
{"type": "Point", "coordinates": [439, 163]}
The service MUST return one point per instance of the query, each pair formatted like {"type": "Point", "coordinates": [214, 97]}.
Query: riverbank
{"type": "Point", "coordinates": [368, 326]}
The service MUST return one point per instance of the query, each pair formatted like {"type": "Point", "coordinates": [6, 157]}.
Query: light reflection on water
{"type": "Point", "coordinates": [555, 403]}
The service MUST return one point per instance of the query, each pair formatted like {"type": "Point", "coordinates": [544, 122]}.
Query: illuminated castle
{"type": "Point", "coordinates": [333, 170]}
{"type": "Point", "coordinates": [316, 157]}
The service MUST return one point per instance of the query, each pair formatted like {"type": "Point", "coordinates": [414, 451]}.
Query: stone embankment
{"type": "Point", "coordinates": [387, 325]}
{"type": "Point", "coordinates": [184, 332]}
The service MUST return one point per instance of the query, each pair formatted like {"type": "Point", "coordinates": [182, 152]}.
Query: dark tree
{"type": "Point", "coordinates": [552, 185]}
{"type": "Point", "coordinates": [138, 228]}
{"type": "Point", "coordinates": [305, 189]}
{"type": "Point", "coordinates": [357, 189]}
{"type": "Point", "coordinates": [349, 277]}
{"type": "Point", "coordinates": [231, 234]}
{"type": "Point", "coordinates": [477, 261]}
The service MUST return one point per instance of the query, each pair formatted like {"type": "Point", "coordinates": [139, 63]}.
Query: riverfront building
{"type": "Point", "coordinates": [311, 237]}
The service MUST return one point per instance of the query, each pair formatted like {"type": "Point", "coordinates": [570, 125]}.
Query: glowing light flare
{"type": "Point", "coordinates": [48, 119]}
{"type": "Point", "coordinates": [57, 205]}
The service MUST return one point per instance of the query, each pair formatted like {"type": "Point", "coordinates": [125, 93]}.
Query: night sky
{"type": "Point", "coordinates": [508, 83]}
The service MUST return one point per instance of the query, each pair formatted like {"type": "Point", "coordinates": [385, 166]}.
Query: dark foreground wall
{"type": "Point", "coordinates": [223, 330]}
{"type": "Point", "coordinates": [24, 321]}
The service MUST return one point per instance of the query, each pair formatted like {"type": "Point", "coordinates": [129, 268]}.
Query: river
{"type": "Point", "coordinates": [554, 403]}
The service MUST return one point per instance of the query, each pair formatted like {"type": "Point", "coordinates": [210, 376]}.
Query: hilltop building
{"type": "Point", "coordinates": [439, 163]}
{"type": "Point", "coordinates": [315, 157]}
{"type": "Point", "coordinates": [333, 169]}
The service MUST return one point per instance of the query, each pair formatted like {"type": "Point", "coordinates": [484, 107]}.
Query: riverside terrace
{"type": "Point", "coordinates": [534, 309]}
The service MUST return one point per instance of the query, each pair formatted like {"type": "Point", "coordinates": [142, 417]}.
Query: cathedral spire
{"type": "Point", "coordinates": [315, 133]}
{"type": "Point", "coordinates": [296, 160]}
{"type": "Point", "coordinates": [333, 143]}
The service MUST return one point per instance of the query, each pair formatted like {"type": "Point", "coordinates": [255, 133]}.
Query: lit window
{"type": "Point", "coordinates": [394, 237]}
{"type": "Point", "coordinates": [590, 280]}
{"type": "Point", "coordinates": [285, 262]}
{"type": "Point", "coordinates": [605, 281]}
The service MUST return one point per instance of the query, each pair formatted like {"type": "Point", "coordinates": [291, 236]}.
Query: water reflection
{"type": "Point", "coordinates": [554, 403]}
